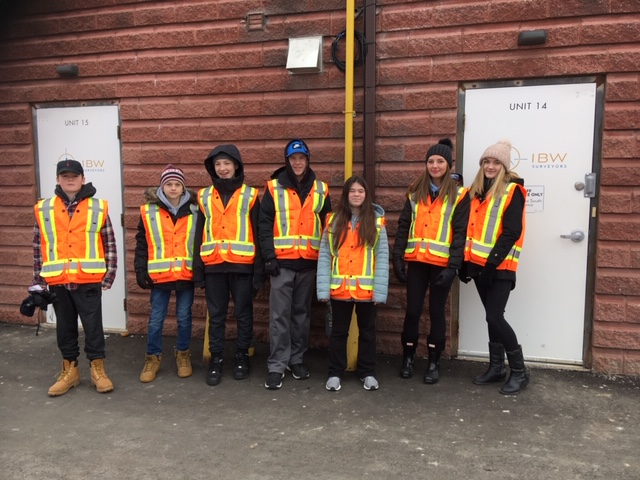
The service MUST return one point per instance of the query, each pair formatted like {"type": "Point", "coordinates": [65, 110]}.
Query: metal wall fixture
{"type": "Point", "coordinates": [67, 70]}
{"type": "Point", "coordinates": [532, 37]}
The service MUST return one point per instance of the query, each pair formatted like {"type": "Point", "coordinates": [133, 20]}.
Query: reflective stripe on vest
{"type": "Point", "coordinates": [72, 250]}
{"type": "Point", "coordinates": [478, 246]}
{"type": "Point", "coordinates": [167, 260]}
{"type": "Point", "coordinates": [226, 239]}
{"type": "Point", "coordinates": [431, 233]}
{"type": "Point", "coordinates": [357, 279]}
{"type": "Point", "coordinates": [295, 233]}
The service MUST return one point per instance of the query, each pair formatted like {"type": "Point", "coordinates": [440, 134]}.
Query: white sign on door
{"type": "Point", "coordinates": [551, 128]}
{"type": "Point", "coordinates": [89, 135]}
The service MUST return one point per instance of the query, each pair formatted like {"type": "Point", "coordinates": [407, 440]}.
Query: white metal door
{"type": "Point", "coordinates": [551, 128]}
{"type": "Point", "coordinates": [88, 134]}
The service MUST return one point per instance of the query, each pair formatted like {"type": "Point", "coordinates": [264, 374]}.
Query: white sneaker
{"type": "Point", "coordinates": [333, 384]}
{"type": "Point", "coordinates": [370, 383]}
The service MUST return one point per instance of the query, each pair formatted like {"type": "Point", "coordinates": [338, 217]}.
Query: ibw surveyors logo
{"type": "Point", "coordinates": [550, 160]}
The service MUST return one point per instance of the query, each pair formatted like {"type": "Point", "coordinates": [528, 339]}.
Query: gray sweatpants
{"type": "Point", "coordinates": [289, 317]}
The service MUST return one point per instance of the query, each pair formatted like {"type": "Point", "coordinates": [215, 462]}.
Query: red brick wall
{"type": "Point", "coordinates": [188, 75]}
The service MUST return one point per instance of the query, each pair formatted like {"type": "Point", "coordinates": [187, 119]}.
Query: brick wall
{"type": "Point", "coordinates": [188, 75]}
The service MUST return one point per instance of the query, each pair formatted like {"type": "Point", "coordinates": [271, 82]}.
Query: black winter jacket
{"type": "Point", "coordinates": [226, 187]}
{"type": "Point", "coordinates": [141, 256]}
{"type": "Point", "coordinates": [268, 213]}
{"type": "Point", "coordinates": [511, 231]}
{"type": "Point", "coordinates": [458, 224]}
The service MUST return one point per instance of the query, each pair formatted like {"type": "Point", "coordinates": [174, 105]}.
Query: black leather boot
{"type": "Point", "coordinates": [496, 371]}
{"type": "Point", "coordinates": [214, 373]}
{"type": "Point", "coordinates": [408, 360]}
{"type": "Point", "coordinates": [518, 377]}
{"type": "Point", "coordinates": [433, 371]}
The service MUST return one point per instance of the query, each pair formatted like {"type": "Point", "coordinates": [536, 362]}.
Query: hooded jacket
{"type": "Point", "coordinates": [141, 256]}
{"type": "Point", "coordinates": [226, 187]}
{"type": "Point", "coordinates": [287, 180]}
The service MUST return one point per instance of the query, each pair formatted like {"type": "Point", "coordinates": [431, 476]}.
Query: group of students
{"type": "Point", "coordinates": [226, 240]}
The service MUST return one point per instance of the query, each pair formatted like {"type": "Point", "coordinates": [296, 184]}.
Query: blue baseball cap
{"type": "Point", "coordinates": [296, 146]}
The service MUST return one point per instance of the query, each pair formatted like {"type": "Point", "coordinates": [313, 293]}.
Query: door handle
{"type": "Point", "coordinates": [575, 236]}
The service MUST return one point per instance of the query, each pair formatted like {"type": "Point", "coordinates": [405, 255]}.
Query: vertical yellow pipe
{"type": "Point", "coordinates": [349, 113]}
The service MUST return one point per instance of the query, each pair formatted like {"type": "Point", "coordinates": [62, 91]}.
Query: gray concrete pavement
{"type": "Point", "coordinates": [565, 425]}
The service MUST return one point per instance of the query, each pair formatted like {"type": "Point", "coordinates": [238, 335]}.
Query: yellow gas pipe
{"type": "Point", "coordinates": [349, 114]}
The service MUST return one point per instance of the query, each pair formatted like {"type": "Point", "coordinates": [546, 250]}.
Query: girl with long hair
{"type": "Point", "coordinates": [430, 239]}
{"type": "Point", "coordinates": [353, 271]}
{"type": "Point", "coordinates": [495, 236]}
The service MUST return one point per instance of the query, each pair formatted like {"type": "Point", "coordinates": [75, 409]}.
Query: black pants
{"type": "Point", "coordinates": [366, 314]}
{"type": "Point", "coordinates": [86, 302]}
{"type": "Point", "coordinates": [421, 276]}
{"type": "Point", "coordinates": [494, 299]}
{"type": "Point", "coordinates": [217, 288]}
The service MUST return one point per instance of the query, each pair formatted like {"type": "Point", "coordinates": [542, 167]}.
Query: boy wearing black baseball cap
{"type": "Point", "coordinates": [74, 254]}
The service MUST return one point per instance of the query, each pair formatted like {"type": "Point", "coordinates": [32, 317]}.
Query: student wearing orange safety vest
{"type": "Point", "coordinates": [494, 242]}
{"type": "Point", "coordinates": [430, 238]}
{"type": "Point", "coordinates": [353, 272]}
{"type": "Point", "coordinates": [164, 263]}
{"type": "Point", "coordinates": [74, 254]}
{"type": "Point", "coordinates": [228, 259]}
{"type": "Point", "coordinates": [292, 214]}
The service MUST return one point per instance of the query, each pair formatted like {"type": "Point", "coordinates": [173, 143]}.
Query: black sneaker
{"type": "Point", "coordinates": [299, 371]}
{"type": "Point", "coordinates": [241, 368]}
{"type": "Point", "coordinates": [214, 373]}
{"type": "Point", "coordinates": [274, 381]}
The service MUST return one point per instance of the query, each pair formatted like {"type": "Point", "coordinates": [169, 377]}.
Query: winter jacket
{"type": "Point", "coordinates": [226, 187]}
{"type": "Point", "coordinates": [381, 272]}
{"type": "Point", "coordinates": [511, 231]}
{"type": "Point", "coordinates": [458, 224]}
{"type": "Point", "coordinates": [267, 216]}
{"type": "Point", "coordinates": [141, 255]}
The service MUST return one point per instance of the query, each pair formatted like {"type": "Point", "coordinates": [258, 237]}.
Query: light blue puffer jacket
{"type": "Point", "coordinates": [380, 275]}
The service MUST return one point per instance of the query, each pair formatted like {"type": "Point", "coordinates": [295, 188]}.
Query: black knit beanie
{"type": "Point", "coordinates": [444, 149]}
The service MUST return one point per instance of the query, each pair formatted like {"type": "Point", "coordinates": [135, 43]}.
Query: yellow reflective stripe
{"type": "Point", "coordinates": [281, 203]}
{"type": "Point", "coordinates": [492, 220]}
{"type": "Point", "coordinates": [152, 215]}
{"type": "Point", "coordinates": [95, 219]}
{"type": "Point", "coordinates": [48, 231]}
{"type": "Point", "coordinates": [204, 199]}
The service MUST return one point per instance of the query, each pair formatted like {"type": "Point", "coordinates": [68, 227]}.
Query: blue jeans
{"type": "Point", "coordinates": [159, 306]}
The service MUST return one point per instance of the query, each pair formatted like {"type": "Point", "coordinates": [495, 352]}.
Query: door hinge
{"type": "Point", "coordinates": [124, 304]}
{"type": "Point", "coordinates": [122, 220]}
{"type": "Point", "coordinates": [119, 132]}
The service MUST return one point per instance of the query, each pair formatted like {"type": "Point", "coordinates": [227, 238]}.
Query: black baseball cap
{"type": "Point", "coordinates": [72, 166]}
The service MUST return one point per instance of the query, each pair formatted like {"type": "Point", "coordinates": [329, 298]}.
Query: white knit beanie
{"type": "Point", "coordinates": [501, 151]}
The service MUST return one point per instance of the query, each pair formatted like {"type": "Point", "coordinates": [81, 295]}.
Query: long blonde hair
{"type": "Point", "coordinates": [421, 188]}
{"type": "Point", "coordinates": [498, 186]}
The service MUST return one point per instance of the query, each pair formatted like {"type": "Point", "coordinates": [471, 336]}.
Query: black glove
{"type": "Point", "coordinates": [486, 275]}
{"type": "Point", "coordinates": [463, 273]}
{"type": "Point", "coordinates": [43, 298]}
{"type": "Point", "coordinates": [399, 270]}
{"type": "Point", "coordinates": [143, 279]}
{"type": "Point", "coordinates": [272, 268]}
{"type": "Point", "coordinates": [445, 278]}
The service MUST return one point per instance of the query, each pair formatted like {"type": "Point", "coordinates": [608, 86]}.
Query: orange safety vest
{"type": "Point", "coordinates": [228, 233]}
{"type": "Point", "coordinates": [170, 246]}
{"type": "Point", "coordinates": [297, 229]}
{"type": "Point", "coordinates": [72, 249]}
{"type": "Point", "coordinates": [485, 226]}
{"type": "Point", "coordinates": [352, 266]}
{"type": "Point", "coordinates": [431, 234]}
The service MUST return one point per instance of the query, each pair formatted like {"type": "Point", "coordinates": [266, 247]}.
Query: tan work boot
{"type": "Point", "coordinates": [99, 377]}
{"type": "Point", "coordinates": [183, 360]}
{"type": "Point", "coordinates": [151, 367]}
{"type": "Point", "coordinates": [69, 377]}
